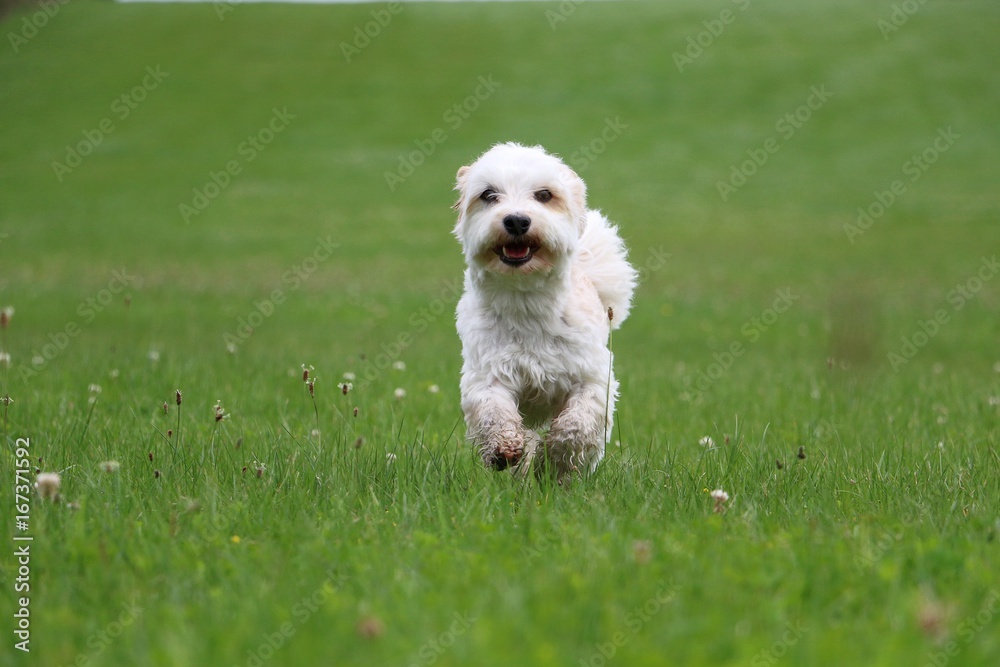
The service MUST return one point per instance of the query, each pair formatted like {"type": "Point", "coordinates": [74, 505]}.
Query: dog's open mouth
{"type": "Point", "coordinates": [515, 254]}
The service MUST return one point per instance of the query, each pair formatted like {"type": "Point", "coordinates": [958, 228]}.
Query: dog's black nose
{"type": "Point", "coordinates": [517, 224]}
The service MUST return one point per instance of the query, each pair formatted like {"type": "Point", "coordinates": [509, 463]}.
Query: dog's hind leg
{"type": "Point", "coordinates": [576, 439]}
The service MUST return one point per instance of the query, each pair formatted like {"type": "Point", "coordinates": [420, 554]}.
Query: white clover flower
{"type": "Point", "coordinates": [399, 365]}
{"type": "Point", "coordinates": [721, 498]}
{"type": "Point", "coordinates": [109, 466]}
{"type": "Point", "coordinates": [400, 393]}
{"type": "Point", "coordinates": [434, 389]}
{"type": "Point", "coordinates": [707, 441]}
{"type": "Point", "coordinates": [349, 376]}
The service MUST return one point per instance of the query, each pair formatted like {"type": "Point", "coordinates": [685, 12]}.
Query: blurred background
{"type": "Point", "coordinates": [351, 120]}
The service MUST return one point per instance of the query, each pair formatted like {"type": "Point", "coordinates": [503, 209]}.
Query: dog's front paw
{"type": "Point", "coordinates": [505, 452]}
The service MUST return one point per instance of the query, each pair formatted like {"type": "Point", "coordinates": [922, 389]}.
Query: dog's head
{"type": "Point", "coordinates": [520, 210]}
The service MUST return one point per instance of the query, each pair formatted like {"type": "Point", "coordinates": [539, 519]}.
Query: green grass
{"type": "Point", "coordinates": [215, 542]}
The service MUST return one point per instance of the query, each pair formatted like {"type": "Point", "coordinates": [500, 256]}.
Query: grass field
{"type": "Point", "coordinates": [206, 198]}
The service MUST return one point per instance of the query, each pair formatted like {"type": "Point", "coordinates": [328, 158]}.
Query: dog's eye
{"type": "Point", "coordinates": [489, 195]}
{"type": "Point", "coordinates": [543, 196]}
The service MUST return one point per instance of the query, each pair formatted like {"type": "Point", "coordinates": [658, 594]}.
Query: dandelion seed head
{"type": "Point", "coordinates": [47, 484]}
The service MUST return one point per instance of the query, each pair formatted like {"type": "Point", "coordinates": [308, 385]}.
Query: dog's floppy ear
{"type": "Point", "coordinates": [576, 194]}
{"type": "Point", "coordinates": [460, 184]}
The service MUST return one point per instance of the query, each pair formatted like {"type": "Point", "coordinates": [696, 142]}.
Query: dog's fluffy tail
{"type": "Point", "coordinates": [604, 260]}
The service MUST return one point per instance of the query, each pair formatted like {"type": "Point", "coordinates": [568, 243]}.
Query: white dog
{"type": "Point", "coordinates": [545, 282]}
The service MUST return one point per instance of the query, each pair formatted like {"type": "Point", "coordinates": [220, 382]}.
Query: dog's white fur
{"type": "Point", "coordinates": [535, 333]}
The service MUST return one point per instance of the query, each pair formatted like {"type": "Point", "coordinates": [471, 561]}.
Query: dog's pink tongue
{"type": "Point", "coordinates": [516, 251]}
